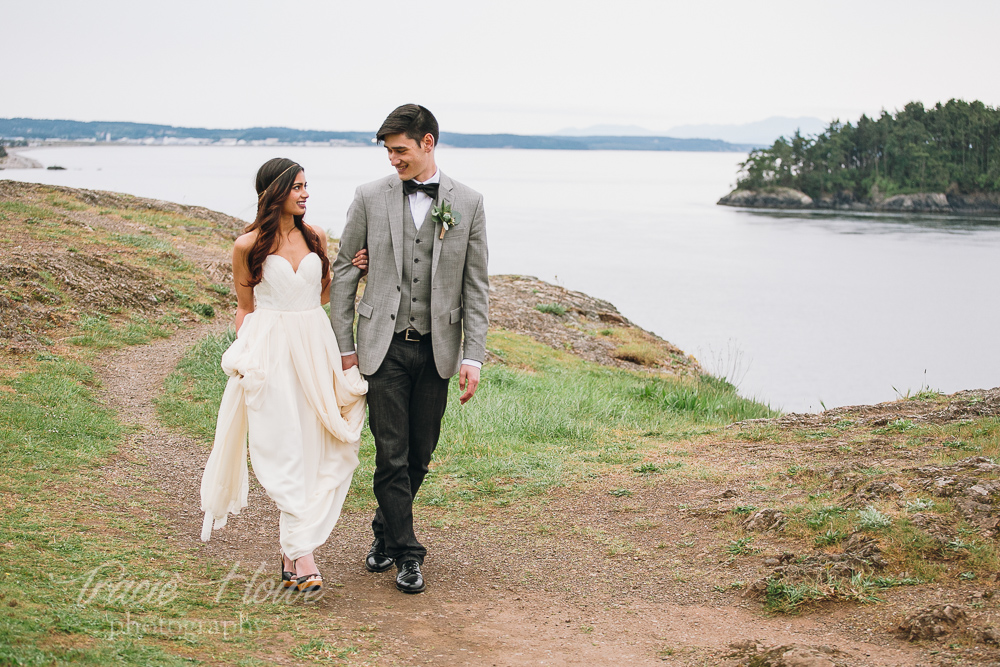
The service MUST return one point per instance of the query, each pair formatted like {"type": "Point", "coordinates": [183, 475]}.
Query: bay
{"type": "Point", "coordinates": [802, 310]}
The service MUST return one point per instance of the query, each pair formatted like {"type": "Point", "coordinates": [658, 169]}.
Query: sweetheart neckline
{"type": "Point", "coordinates": [295, 269]}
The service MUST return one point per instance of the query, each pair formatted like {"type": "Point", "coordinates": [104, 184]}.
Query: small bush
{"type": "Point", "coordinates": [871, 519]}
{"type": "Point", "coordinates": [740, 547]}
{"type": "Point", "coordinates": [785, 598]}
{"type": "Point", "coordinates": [643, 354]}
{"type": "Point", "coordinates": [203, 309]}
{"type": "Point", "coordinates": [829, 538]}
{"type": "Point", "coordinates": [551, 309]}
{"type": "Point", "coordinates": [919, 505]}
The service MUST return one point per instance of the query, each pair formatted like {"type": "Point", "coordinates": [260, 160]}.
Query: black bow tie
{"type": "Point", "coordinates": [430, 189]}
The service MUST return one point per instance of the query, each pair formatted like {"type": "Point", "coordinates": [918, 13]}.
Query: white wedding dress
{"type": "Point", "coordinates": [302, 412]}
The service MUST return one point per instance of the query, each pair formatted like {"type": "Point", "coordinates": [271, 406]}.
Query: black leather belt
{"type": "Point", "coordinates": [410, 336]}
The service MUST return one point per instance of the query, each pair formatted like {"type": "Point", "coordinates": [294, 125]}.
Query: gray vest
{"type": "Point", "coordinates": [418, 251]}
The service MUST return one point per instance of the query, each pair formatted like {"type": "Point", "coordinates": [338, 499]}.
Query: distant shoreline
{"type": "Point", "coordinates": [40, 132]}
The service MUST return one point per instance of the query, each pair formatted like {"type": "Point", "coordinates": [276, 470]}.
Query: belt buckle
{"type": "Point", "coordinates": [406, 336]}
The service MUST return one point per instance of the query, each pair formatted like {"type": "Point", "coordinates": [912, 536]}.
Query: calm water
{"type": "Point", "coordinates": [804, 310]}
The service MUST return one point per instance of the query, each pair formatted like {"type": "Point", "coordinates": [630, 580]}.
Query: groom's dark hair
{"type": "Point", "coordinates": [412, 120]}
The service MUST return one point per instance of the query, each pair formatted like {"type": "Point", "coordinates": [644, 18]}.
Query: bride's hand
{"type": "Point", "coordinates": [361, 261]}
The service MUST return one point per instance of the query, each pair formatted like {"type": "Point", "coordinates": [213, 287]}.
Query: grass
{"type": "Point", "coordinates": [88, 575]}
{"type": "Point", "coordinates": [708, 399]}
{"type": "Point", "coordinates": [99, 332]}
{"type": "Point", "coordinates": [53, 437]}
{"type": "Point", "coordinates": [541, 419]}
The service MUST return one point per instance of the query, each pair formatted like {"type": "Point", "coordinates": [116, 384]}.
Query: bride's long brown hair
{"type": "Point", "coordinates": [275, 179]}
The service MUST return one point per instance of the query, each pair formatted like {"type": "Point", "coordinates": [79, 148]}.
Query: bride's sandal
{"type": "Point", "coordinates": [288, 579]}
{"type": "Point", "coordinates": [309, 583]}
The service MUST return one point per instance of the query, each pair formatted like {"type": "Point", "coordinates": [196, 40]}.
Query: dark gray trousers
{"type": "Point", "coordinates": [406, 401]}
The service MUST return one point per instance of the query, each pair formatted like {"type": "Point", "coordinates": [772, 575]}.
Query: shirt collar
{"type": "Point", "coordinates": [436, 178]}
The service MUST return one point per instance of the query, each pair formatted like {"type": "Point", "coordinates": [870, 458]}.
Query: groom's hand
{"type": "Point", "coordinates": [468, 380]}
{"type": "Point", "coordinates": [349, 360]}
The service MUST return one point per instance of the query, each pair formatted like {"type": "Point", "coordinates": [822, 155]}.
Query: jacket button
{"type": "Point", "coordinates": [418, 240]}
{"type": "Point", "coordinates": [414, 299]}
{"type": "Point", "coordinates": [416, 260]}
{"type": "Point", "coordinates": [397, 288]}
{"type": "Point", "coordinates": [392, 317]}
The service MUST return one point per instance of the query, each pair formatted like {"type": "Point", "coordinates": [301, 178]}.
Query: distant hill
{"type": "Point", "coordinates": [30, 128]}
{"type": "Point", "coordinates": [34, 129]}
{"type": "Point", "coordinates": [760, 133]}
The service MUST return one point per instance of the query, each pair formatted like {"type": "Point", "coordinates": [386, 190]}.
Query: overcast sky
{"type": "Point", "coordinates": [522, 66]}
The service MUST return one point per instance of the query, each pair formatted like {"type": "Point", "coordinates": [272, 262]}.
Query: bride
{"type": "Point", "coordinates": [287, 389]}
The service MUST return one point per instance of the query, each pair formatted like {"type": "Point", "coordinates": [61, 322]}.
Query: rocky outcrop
{"type": "Point", "coordinates": [840, 201]}
{"type": "Point", "coordinates": [980, 202]}
{"type": "Point", "coordinates": [776, 198]}
{"type": "Point", "coordinates": [919, 202]}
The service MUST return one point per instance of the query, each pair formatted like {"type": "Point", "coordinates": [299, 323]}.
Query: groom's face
{"type": "Point", "coordinates": [410, 159]}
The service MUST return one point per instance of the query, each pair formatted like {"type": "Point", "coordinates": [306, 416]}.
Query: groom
{"type": "Point", "coordinates": [427, 286]}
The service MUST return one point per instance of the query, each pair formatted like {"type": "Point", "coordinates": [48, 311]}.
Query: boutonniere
{"type": "Point", "coordinates": [442, 213]}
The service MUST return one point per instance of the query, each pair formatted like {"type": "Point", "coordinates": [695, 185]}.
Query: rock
{"type": "Point", "coordinates": [921, 202]}
{"type": "Point", "coordinates": [765, 519]}
{"type": "Point", "coordinates": [755, 654]}
{"type": "Point", "coordinates": [980, 202]}
{"type": "Point", "coordinates": [771, 198]}
{"type": "Point", "coordinates": [933, 622]}
{"type": "Point", "coordinates": [864, 547]}
{"type": "Point", "coordinates": [873, 490]}
{"type": "Point", "coordinates": [843, 201]}
{"type": "Point", "coordinates": [990, 635]}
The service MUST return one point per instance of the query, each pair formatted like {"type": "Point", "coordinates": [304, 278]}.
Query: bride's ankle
{"type": "Point", "coordinates": [288, 563]}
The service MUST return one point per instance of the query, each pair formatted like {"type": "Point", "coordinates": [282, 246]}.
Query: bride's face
{"type": "Point", "coordinates": [295, 203]}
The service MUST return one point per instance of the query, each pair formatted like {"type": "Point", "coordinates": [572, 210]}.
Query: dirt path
{"type": "Point", "coordinates": [499, 593]}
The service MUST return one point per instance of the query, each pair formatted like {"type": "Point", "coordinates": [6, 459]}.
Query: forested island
{"type": "Point", "coordinates": [32, 130]}
{"type": "Point", "coordinates": [942, 159]}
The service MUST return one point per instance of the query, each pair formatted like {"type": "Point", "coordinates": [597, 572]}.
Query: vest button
{"type": "Point", "coordinates": [412, 319]}
{"type": "Point", "coordinates": [397, 288]}
{"type": "Point", "coordinates": [418, 240]}
{"type": "Point", "coordinates": [416, 260]}
{"type": "Point", "coordinates": [392, 317]}
{"type": "Point", "coordinates": [414, 299]}
{"type": "Point", "coordinates": [416, 280]}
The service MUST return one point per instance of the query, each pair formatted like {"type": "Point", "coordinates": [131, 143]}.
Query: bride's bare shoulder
{"type": "Point", "coordinates": [319, 231]}
{"type": "Point", "coordinates": [244, 242]}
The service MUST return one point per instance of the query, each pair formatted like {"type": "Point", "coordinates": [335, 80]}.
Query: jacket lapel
{"type": "Point", "coordinates": [444, 194]}
{"type": "Point", "coordinates": [394, 204]}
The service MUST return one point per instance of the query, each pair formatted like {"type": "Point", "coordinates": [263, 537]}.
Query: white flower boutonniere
{"type": "Point", "coordinates": [448, 218]}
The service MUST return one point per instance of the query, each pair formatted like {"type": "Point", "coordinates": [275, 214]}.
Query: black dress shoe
{"type": "Point", "coordinates": [409, 579]}
{"type": "Point", "coordinates": [377, 561]}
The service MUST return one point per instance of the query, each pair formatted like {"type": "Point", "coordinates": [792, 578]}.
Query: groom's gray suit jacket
{"type": "Point", "coordinates": [459, 278]}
